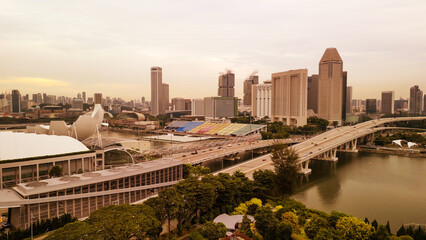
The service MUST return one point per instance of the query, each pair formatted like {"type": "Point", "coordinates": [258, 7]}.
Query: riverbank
{"type": "Point", "coordinates": [415, 153]}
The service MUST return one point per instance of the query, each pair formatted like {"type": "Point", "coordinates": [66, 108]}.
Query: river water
{"type": "Point", "coordinates": [376, 186]}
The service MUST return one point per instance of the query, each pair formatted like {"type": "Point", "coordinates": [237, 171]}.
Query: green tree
{"type": "Point", "coordinates": [375, 224]}
{"type": "Point", "coordinates": [285, 160]}
{"type": "Point", "coordinates": [73, 231]}
{"type": "Point", "coordinates": [284, 231]}
{"type": "Point", "coordinates": [388, 227]}
{"type": "Point", "coordinates": [172, 203]}
{"type": "Point", "coordinates": [213, 231]}
{"type": "Point", "coordinates": [401, 231]}
{"type": "Point", "coordinates": [312, 227]}
{"type": "Point", "coordinates": [199, 171]}
{"type": "Point", "coordinates": [366, 220]}
{"type": "Point", "coordinates": [265, 222]}
{"type": "Point", "coordinates": [292, 218]}
{"type": "Point", "coordinates": [264, 180]}
{"type": "Point", "coordinates": [246, 226]}
{"type": "Point", "coordinates": [353, 228]}
{"type": "Point", "coordinates": [55, 171]}
{"type": "Point", "coordinates": [381, 233]}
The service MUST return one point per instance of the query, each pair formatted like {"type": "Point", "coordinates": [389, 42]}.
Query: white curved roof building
{"type": "Point", "coordinates": [29, 145]}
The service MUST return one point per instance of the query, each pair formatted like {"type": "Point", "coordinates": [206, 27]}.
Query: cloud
{"type": "Point", "coordinates": [37, 82]}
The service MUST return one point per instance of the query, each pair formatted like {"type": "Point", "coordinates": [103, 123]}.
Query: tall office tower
{"type": "Point", "coordinates": [178, 103]}
{"type": "Point", "coordinates": [89, 100]}
{"type": "Point", "coordinates": [197, 107]}
{"type": "Point", "coordinates": [330, 86]}
{"type": "Point", "coordinates": [388, 102]}
{"type": "Point", "coordinates": [416, 98]}
{"type": "Point", "coordinates": [253, 79]}
{"type": "Point", "coordinates": [44, 98]}
{"type": "Point", "coordinates": [371, 106]}
{"type": "Point", "coordinates": [16, 101]}
{"type": "Point", "coordinates": [79, 95]}
{"type": "Point", "coordinates": [424, 105]}
{"type": "Point", "coordinates": [156, 90]}
{"type": "Point", "coordinates": [77, 103]}
{"type": "Point", "coordinates": [143, 99]}
{"type": "Point", "coordinates": [261, 100]}
{"type": "Point", "coordinates": [344, 86]}
{"type": "Point", "coordinates": [37, 98]}
{"type": "Point", "coordinates": [165, 98]}
{"type": "Point", "coordinates": [84, 97]}
{"type": "Point", "coordinates": [226, 85]}
{"type": "Point", "coordinates": [313, 93]}
{"type": "Point", "coordinates": [289, 97]}
{"type": "Point", "coordinates": [349, 99]}
{"type": "Point", "coordinates": [220, 107]}
{"type": "Point", "coordinates": [97, 98]}
{"type": "Point", "coordinates": [188, 104]}
{"type": "Point", "coordinates": [51, 99]}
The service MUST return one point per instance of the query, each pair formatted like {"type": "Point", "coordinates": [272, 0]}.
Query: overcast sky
{"type": "Point", "coordinates": [65, 47]}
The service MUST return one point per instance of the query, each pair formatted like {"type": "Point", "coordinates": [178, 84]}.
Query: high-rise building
{"type": "Point", "coordinates": [197, 107]}
{"type": "Point", "coordinates": [416, 99]}
{"type": "Point", "coordinates": [261, 99]}
{"type": "Point", "coordinates": [188, 104]}
{"type": "Point", "coordinates": [84, 97]}
{"type": "Point", "coordinates": [226, 85]}
{"type": "Point", "coordinates": [156, 90]}
{"type": "Point", "coordinates": [79, 95]}
{"type": "Point", "coordinates": [89, 100]}
{"type": "Point", "coordinates": [220, 107]}
{"type": "Point", "coordinates": [387, 102]}
{"type": "Point", "coordinates": [97, 98]}
{"type": "Point", "coordinates": [37, 98]}
{"type": "Point", "coordinates": [165, 97]}
{"type": "Point", "coordinates": [289, 97]}
{"type": "Point", "coordinates": [371, 106]}
{"type": "Point", "coordinates": [330, 86]}
{"type": "Point", "coordinates": [313, 93]}
{"type": "Point", "coordinates": [77, 103]}
{"type": "Point", "coordinates": [349, 99]}
{"type": "Point", "coordinates": [344, 86]}
{"type": "Point", "coordinates": [44, 98]}
{"type": "Point", "coordinates": [424, 105]}
{"type": "Point", "coordinates": [253, 79]}
{"type": "Point", "coordinates": [178, 103]}
{"type": "Point", "coordinates": [16, 101]}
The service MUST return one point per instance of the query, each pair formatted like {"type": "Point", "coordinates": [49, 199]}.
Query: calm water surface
{"type": "Point", "coordinates": [377, 186]}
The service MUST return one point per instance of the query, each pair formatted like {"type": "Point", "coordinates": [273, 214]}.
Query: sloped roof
{"type": "Point", "coordinates": [331, 54]}
{"type": "Point", "coordinates": [27, 145]}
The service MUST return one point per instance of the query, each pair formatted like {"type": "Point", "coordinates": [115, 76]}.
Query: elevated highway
{"type": "Point", "coordinates": [324, 146]}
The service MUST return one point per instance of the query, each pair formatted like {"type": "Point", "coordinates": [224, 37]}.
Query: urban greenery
{"type": "Point", "coordinates": [39, 227]}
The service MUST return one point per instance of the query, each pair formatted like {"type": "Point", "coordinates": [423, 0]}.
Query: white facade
{"type": "Point", "coordinates": [261, 100]}
{"type": "Point", "coordinates": [197, 107]}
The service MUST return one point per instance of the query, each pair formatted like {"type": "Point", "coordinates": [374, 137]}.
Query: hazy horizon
{"type": "Point", "coordinates": [66, 47]}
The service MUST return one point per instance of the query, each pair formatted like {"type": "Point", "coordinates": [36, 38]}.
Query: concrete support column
{"type": "Point", "coordinates": [20, 174]}
{"type": "Point", "coordinates": [69, 167]}
{"type": "Point", "coordinates": [1, 178]}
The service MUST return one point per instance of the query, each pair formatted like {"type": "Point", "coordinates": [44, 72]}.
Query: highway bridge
{"type": "Point", "coordinates": [324, 146]}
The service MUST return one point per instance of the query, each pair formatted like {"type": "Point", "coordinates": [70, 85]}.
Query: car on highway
{"type": "Point", "coordinates": [184, 155]}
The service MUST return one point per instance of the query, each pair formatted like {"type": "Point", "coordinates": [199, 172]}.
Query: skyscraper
{"type": "Point", "coordinates": [98, 98]}
{"type": "Point", "coordinates": [371, 106]}
{"type": "Point", "coordinates": [156, 89]}
{"type": "Point", "coordinates": [313, 93]}
{"type": "Point", "coordinates": [330, 86]}
{"type": "Point", "coordinates": [165, 97]}
{"type": "Point", "coordinates": [261, 100]}
{"type": "Point", "coordinates": [226, 85]}
{"type": "Point", "coordinates": [253, 79]}
{"type": "Point", "coordinates": [344, 85]}
{"type": "Point", "coordinates": [416, 98]}
{"type": "Point", "coordinates": [349, 99]}
{"type": "Point", "coordinates": [388, 102]}
{"type": "Point", "coordinates": [178, 103]}
{"type": "Point", "coordinates": [289, 97]}
{"type": "Point", "coordinates": [84, 97]}
{"type": "Point", "coordinates": [16, 101]}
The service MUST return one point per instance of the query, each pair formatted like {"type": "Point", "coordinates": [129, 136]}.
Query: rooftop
{"type": "Point", "coordinates": [60, 183]}
{"type": "Point", "coordinates": [28, 145]}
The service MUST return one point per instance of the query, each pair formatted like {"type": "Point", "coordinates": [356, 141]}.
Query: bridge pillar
{"type": "Point", "coordinates": [304, 168]}
{"type": "Point", "coordinates": [349, 146]}
{"type": "Point", "coordinates": [328, 156]}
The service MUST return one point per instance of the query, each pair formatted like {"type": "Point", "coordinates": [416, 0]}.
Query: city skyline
{"type": "Point", "coordinates": [47, 48]}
